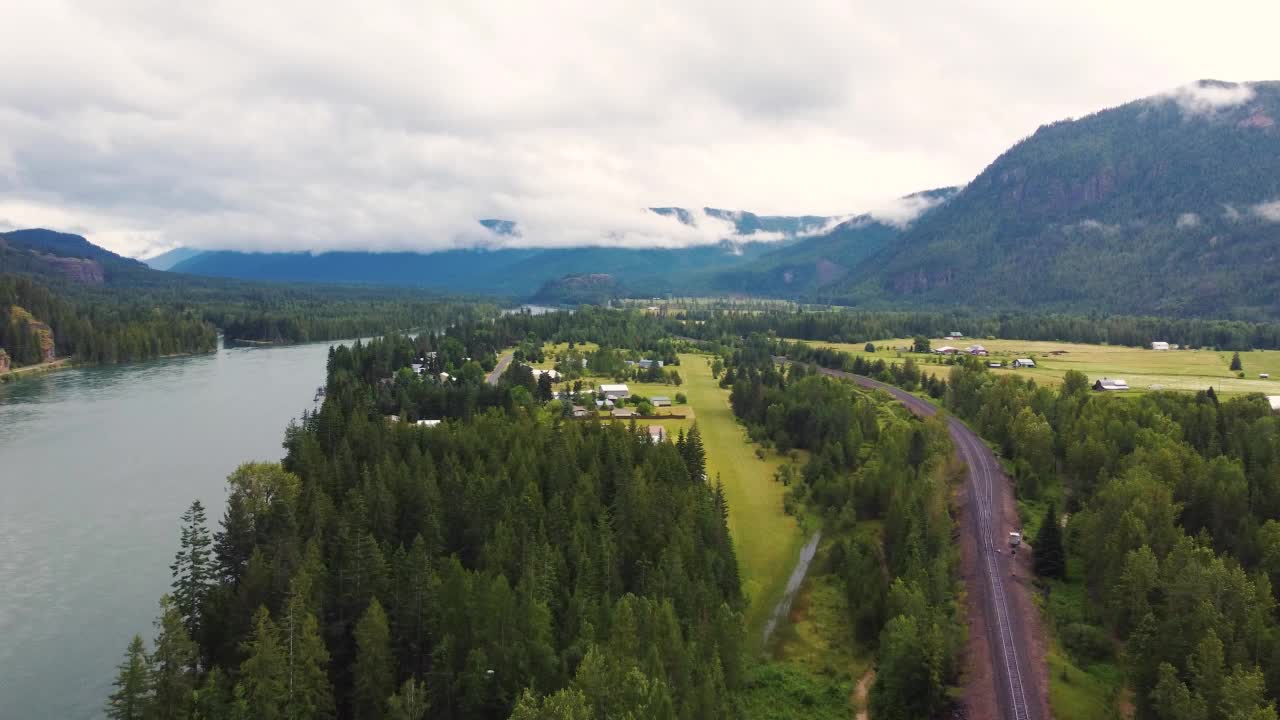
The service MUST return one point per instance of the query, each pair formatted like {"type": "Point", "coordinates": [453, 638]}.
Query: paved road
{"type": "Point", "coordinates": [988, 489]}
{"type": "Point", "coordinates": [501, 367]}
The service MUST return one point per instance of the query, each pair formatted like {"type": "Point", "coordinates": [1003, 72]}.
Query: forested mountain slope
{"type": "Point", "coordinates": [1166, 205]}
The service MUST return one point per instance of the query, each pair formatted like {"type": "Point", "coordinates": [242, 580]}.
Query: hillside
{"type": "Point", "coordinates": [1166, 205]}
{"type": "Point", "coordinates": [63, 255]}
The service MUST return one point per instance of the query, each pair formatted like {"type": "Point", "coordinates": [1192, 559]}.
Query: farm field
{"type": "Point", "coordinates": [1145, 369]}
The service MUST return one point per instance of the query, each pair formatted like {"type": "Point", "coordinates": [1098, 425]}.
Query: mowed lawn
{"type": "Point", "coordinates": [1144, 369]}
{"type": "Point", "coordinates": [767, 540]}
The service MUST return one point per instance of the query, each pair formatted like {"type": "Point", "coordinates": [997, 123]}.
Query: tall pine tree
{"type": "Point", "coordinates": [1050, 557]}
{"type": "Point", "coordinates": [375, 667]}
{"type": "Point", "coordinates": [262, 691]}
{"type": "Point", "coordinates": [192, 571]}
{"type": "Point", "coordinates": [132, 697]}
{"type": "Point", "coordinates": [173, 679]}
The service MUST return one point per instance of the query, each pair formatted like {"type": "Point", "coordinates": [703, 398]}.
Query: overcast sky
{"type": "Point", "coordinates": [146, 124]}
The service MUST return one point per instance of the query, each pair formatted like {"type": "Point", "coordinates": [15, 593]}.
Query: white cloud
{"type": "Point", "coordinates": [1188, 220]}
{"type": "Point", "coordinates": [1090, 225]}
{"type": "Point", "coordinates": [1269, 211]}
{"type": "Point", "coordinates": [1230, 213]}
{"type": "Point", "coordinates": [1204, 97]}
{"type": "Point", "coordinates": [903, 211]}
{"type": "Point", "coordinates": [396, 125]}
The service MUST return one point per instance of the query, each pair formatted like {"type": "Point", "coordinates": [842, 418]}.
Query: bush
{"type": "Point", "coordinates": [870, 347]}
{"type": "Point", "coordinates": [1087, 643]}
{"type": "Point", "coordinates": [681, 399]}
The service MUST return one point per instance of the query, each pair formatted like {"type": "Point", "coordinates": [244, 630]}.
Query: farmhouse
{"type": "Point", "coordinates": [657, 434]}
{"type": "Point", "coordinates": [1111, 384]}
{"type": "Point", "coordinates": [660, 401]}
{"type": "Point", "coordinates": [622, 412]}
{"type": "Point", "coordinates": [956, 335]}
{"type": "Point", "coordinates": [1159, 345]}
{"type": "Point", "coordinates": [1024, 363]}
{"type": "Point", "coordinates": [613, 392]}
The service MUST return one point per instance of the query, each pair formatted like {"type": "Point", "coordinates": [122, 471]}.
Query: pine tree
{"type": "Point", "coordinates": [374, 670]}
{"type": "Point", "coordinates": [410, 703]}
{"type": "Point", "coordinates": [695, 457]}
{"type": "Point", "coordinates": [310, 694]}
{"type": "Point", "coordinates": [1050, 557]}
{"type": "Point", "coordinates": [263, 688]}
{"type": "Point", "coordinates": [1236, 365]}
{"type": "Point", "coordinates": [132, 697]}
{"type": "Point", "coordinates": [192, 573]}
{"type": "Point", "coordinates": [173, 679]}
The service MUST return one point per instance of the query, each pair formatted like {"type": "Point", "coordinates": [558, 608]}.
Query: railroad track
{"type": "Point", "coordinates": [1005, 630]}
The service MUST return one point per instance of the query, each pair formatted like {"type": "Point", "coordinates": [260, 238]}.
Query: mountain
{"type": "Point", "coordinates": [166, 260]}
{"type": "Point", "coordinates": [1167, 205]}
{"type": "Point", "coordinates": [50, 253]}
{"type": "Point", "coordinates": [808, 266]}
{"type": "Point", "coordinates": [593, 289]}
{"type": "Point", "coordinates": [523, 271]}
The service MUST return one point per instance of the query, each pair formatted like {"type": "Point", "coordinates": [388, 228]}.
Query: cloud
{"type": "Point", "coordinates": [1230, 213]}
{"type": "Point", "coordinates": [903, 211]}
{"type": "Point", "coordinates": [390, 125]}
{"type": "Point", "coordinates": [1206, 97]}
{"type": "Point", "coordinates": [1188, 220]}
{"type": "Point", "coordinates": [1090, 225]}
{"type": "Point", "coordinates": [1269, 211]}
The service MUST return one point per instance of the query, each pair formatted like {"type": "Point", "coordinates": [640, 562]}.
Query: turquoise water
{"type": "Point", "coordinates": [96, 467]}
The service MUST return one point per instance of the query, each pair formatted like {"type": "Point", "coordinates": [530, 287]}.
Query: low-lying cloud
{"type": "Point", "coordinates": [1206, 97]}
{"type": "Point", "coordinates": [1269, 211]}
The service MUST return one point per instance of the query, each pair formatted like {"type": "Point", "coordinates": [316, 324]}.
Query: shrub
{"type": "Point", "coordinates": [681, 399]}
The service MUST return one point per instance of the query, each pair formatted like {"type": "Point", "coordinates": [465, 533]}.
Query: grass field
{"type": "Point", "coordinates": [767, 540]}
{"type": "Point", "coordinates": [1145, 369]}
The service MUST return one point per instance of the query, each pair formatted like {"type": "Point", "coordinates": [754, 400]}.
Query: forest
{"type": "Point", "coordinates": [1169, 522]}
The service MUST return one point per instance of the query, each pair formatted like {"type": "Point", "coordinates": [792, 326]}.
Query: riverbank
{"type": "Point", "coordinates": [28, 370]}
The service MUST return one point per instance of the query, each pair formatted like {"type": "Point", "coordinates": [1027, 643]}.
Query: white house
{"type": "Point", "coordinates": [1111, 385]}
{"type": "Point", "coordinates": [1024, 363]}
{"type": "Point", "coordinates": [613, 392]}
{"type": "Point", "coordinates": [1158, 345]}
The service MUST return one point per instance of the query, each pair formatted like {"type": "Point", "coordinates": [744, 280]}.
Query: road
{"type": "Point", "coordinates": [501, 367]}
{"type": "Point", "coordinates": [1007, 614]}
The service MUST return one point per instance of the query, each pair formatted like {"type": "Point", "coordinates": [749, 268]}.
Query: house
{"type": "Point", "coordinates": [1024, 363]}
{"type": "Point", "coordinates": [428, 423]}
{"type": "Point", "coordinates": [1158, 345]}
{"type": "Point", "coordinates": [613, 392]}
{"type": "Point", "coordinates": [417, 368]}
{"type": "Point", "coordinates": [955, 335]}
{"type": "Point", "coordinates": [976, 350]}
{"type": "Point", "coordinates": [537, 374]}
{"type": "Point", "coordinates": [660, 401]}
{"type": "Point", "coordinates": [622, 412]}
{"type": "Point", "coordinates": [946, 350]}
{"type": "Point", "coordinates": [580, 412]}
{"type": "Point", "coordinates": [1111, 385]}
{"type": "Point", "coordinates": [657, 433]}
{"type": "Point", "coordinates": [1275, 403]}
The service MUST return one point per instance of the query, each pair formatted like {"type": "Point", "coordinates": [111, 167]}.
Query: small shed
{"type": "Point", "coordinates": [622, 412]}
{"type": "Point", "coordinates": [995, 364]}
{"type": "Point", "coordinates": [954, 334]}
{"type": "Point", "coordinates": [613, 392]}
{"type": "Point", "coordinates": [1111, 385]}
{"type": "Point", "coordinates": [660, 401]}
{"type": "Point", "coordinates": [580, 411]}
{"type": "Point", "coordinates": [1159, 345]}
{"type": "Point", "coordinates": [1024, 363]}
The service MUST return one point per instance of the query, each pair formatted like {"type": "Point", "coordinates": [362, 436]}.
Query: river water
{"type": "Point", "coordinates": [96, 467]}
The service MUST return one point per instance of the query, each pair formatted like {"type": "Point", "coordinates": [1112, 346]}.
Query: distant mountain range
{"type": "Point", "coordinates": [1166, 205]}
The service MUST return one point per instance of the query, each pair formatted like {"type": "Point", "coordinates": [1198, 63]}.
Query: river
{"type": "Point", "coordinates": [96, 467]}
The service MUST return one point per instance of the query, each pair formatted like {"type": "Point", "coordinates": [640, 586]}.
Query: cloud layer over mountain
{"type": "Point", "coordinates": [396, 125]}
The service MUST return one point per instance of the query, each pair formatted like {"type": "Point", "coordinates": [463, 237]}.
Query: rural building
{"type": "Point", "coordinates": [647, 363]}
{"type": "Point", "coordinates": [660, 401]}
{"type": "Point", "coordinates": [976, 350]}
{"type": "Point", "coordinates": [946, 350]}
{"type": "Point", "coordinates": [417, 368]}
{"type": "Point", "coordinates": [1111, 385]}
{"type": "Point", "coordinates": [657, 433]}
{"type": "Point", "coordinates": [580, 412]}
{"type": "Point", "coordinates": [445, 377]}
{"type": "Point", "coordinates": [1159, 345]}
{"type": "Point", "coordinates": [622, 412]}
{"type": "Point", "coordinates": [956, 335]}
{"type": "Point", "coordinates": [606, 403]}
{"type": "Point", "coordinates": [428, 423]}
{"type": "Point", "coordinates": [995, 364]}
{"type": "Point", "coordinates": [1024, 363]}
{"type": "Point", "coordinates": [613, 392]}
{"type": "Point", "coordinates": [1275, 402]}
{"type": "Point", "coordinates": [537, 374]}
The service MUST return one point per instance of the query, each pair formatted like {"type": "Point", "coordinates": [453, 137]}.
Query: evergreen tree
{"type": "Point", "coordinates": [1050, 557]}
{"type": "Point", "coordinates": [212, 700]}
{"type": "Point", "coordinates": [695, 456]}
{"type": "Point", "coordinates": [192, 573]}
{"type": "Point", "coordinates": [132, 697]}
{"type": "Point", "coordinates": [410, 703]}
{"type": "Point", "coordinates": [262, 690]}
{"type": "Point", "coordinates": [1236, 365]}
{"type": "Point", "coordinates": [173, 679]}
{"type": "Point", "coordinates": [374, 669]}
{"type": "Point", "coordinates": [310, 694]}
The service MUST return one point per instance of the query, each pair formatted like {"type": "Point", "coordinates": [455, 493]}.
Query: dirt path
{"type": "Point", "coordinates": [860, 694]}
{"type": "Point", "coordinates": [501, 367]}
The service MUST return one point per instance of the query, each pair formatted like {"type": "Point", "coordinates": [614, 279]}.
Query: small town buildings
{"type": "Point", "coordinates": [660, 401]}
{"type": "Point", "coordinates": [428, 423]}
{"type": "Point", "coordinates": [613, 392]}
{"type": "Point", "coordinates": [622, 412]}
{"type": "Point", "coordinates": [1275, 403]}
{"type": "Point", "coordinates": [1158, 345]}
{"type": "Point", "coordinates": [1024, 363]}
{"type": "Point", "coordinates": [657, 433]}
{"type": "Point", "coordinates": [1111, 385]}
